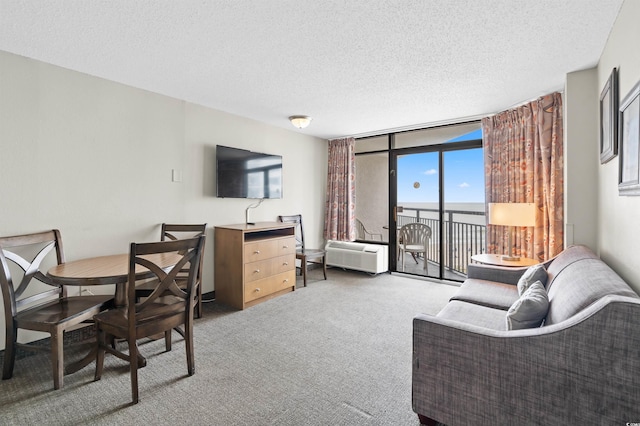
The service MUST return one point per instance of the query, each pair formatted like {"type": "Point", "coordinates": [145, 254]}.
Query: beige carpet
{"type": "Point", "coordinates": [337, 352]}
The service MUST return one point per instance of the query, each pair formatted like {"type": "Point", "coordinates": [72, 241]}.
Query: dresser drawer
{"type": "Point", "coordinates": [265, 268]}
{"type": "Point", "coordinates": [265, 286]}
{"type": "Point", "coordinates": [266, 249]}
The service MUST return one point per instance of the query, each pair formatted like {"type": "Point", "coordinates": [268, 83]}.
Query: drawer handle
{"type": "Point", "coordinates": [256, 252]}
{"type": "Point", "coordinates": [286, 280]}
{"type": "Point", "coordinates": [285, 246]}
{"type": "Point", "coordinates": [257, 290]}
{"type": "Point", "coordinates": [285, 264]}
{"type": "Point", "coordinates": [257, 271]}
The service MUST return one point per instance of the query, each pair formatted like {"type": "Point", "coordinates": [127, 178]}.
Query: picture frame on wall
{"type": "Point", "coordinates": [609, 118]}
{"type": "Point", "coordinates": [629, 143]}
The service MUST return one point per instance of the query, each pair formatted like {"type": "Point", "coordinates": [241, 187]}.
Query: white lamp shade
{"type": "Point", "coordinates": [512, 214]}
{"type": "Point", "coordinates": [300, 121]}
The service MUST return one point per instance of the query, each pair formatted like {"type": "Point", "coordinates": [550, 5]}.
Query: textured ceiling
{"type": "Point", "coordinates": [358, 66]}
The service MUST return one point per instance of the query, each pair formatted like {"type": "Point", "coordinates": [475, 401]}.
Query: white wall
{"type": "Point", "coordinates": [304, 175]}
{"type": "Point", "coordinates": [580, 158]}
{"type": "Point", "coordinates": [618, 224]}
{"type": "Point", "coordinates": [93, 158]}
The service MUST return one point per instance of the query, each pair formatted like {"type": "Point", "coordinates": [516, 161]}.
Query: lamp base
{"type": "Point", "coordinates": [510, 258]}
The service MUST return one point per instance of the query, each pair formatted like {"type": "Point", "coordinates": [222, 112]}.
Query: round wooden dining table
{"type": "Point", "coordinates": [104, 270]}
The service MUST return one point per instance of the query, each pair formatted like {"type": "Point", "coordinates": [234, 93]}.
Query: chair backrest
{"type": "Point", "coordinates": [415, 233]}
{"type": "Point", "coordinates": [28, 252]}
{"type": "Point", "coordinates": [175, 299]}
{"type": "Point", "coordinates": [297, 220]}
{"type": "Point", "coordinates": [174, 231]}
{"type": "Point", "coordinates": [171, 231]}
{"type": "Point", "coordinates": [360, 230]}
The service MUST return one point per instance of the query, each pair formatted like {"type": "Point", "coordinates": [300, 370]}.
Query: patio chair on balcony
{"type": "Point", "coordinates": [414, 239]}
{"type": "Point", "coordinates": [363, 232]}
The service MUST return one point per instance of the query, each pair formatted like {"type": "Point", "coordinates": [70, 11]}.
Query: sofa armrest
{"type": "Point", "coordinates": [580, 371]}
{"type": "Point", "coordinates": [501, 274]}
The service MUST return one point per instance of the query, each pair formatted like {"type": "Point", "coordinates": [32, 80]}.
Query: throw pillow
{"type": "Point", "coordinates": [532, 274]}
{"type": "Point", "coordinates": [530, 309]}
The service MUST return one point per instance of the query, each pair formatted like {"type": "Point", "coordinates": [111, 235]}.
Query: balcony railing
{"type": "Point", "coordinates": [462, 237]}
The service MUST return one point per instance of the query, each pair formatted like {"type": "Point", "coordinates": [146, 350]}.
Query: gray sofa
{"type": "Point", "coordinates": [582, 366]}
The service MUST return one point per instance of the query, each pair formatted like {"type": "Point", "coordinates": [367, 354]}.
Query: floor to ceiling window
{"type": "Point", "coordinates": [431, 177]}
{"type": "Point", "coordinates": [372, 188]}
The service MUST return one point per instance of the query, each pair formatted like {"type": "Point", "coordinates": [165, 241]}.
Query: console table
{"type": "Point", "coordinates": [254, 263]}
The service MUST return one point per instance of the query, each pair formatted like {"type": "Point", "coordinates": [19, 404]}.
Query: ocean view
{"type": "Point", "coordinates": [430, 211]}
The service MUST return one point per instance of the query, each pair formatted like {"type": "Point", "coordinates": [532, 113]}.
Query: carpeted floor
{"type": "Point", "coordinates": [337, 352]}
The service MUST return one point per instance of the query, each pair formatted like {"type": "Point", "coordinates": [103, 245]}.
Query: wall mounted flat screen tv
{"type": "Point", "coordinates": [246, 174]}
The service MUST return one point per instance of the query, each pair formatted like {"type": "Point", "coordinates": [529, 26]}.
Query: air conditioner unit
{"type": "Point", "coordinates": [372, 258]}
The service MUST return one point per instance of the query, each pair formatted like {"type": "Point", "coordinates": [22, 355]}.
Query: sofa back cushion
{"type": "Point", "coordinates": [565, 258]}
{"type": "Point", "coordinates": [580, 283]}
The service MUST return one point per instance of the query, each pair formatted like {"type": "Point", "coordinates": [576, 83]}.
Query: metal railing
{"type": "Point", "coordinates": [462, 239]}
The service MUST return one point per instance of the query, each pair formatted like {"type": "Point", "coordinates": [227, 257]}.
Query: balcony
{"type": "Point", "coordinates": [464, 235]}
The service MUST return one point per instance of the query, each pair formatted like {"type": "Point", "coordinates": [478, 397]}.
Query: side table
{"type": "Point", "coordinates": [496, 259]}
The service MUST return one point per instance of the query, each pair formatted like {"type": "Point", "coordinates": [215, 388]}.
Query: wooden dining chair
{"type": "Point", "coordinates": [168, 306]}
{"type": "Point", "coordinates": [33, 302]}
{"type": "Point", "coordinates": [304, 254]}
{"type": "Point", "coordinates": [170, 231]}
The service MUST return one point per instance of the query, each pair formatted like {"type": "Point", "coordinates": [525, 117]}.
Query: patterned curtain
{"type": "Point", "coordinates": [339, 222]}
{"type": "Point", "coordinates": [524, 164]}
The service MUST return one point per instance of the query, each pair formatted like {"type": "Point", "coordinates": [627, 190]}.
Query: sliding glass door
{"type": "Point", "coordinates": [417, 205]}
{"type": "Point", "coordinates": [464, 210]}
{"type": "Point", "coordinates": [439, 183]}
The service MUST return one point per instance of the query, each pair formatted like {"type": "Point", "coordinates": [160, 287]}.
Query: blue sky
{"type": "Point", "coordinates": [464, 175]}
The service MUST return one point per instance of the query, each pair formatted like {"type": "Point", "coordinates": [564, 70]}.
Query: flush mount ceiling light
{"type": "Point", "coordinates": [300, 121]}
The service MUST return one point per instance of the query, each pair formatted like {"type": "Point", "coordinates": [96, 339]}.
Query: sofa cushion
{"type": "Point", "coordinates": [534, 273]}
{"type": "Point", "coordinates": [530, 309]}
{"type": "Point", "coordinates": [580, 284]}
{"type": "Point", "coordinates": [487, 293]}
{"type": "Point", "coordinates": [471, 313]}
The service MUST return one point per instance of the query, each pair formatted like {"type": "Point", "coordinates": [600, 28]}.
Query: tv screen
{"type": "Point", "coordinates": [246, 174]}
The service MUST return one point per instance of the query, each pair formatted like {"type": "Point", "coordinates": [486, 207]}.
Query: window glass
{"type": "Point", "coordinates": [438, 135]}
{"type": "Point", "coordinates": [376, 143]}
{"type": "Point", "coordinates": [372, 195]}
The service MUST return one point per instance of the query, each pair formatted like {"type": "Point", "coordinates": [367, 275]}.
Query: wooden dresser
{"type": "Point", "coordinates": [254, 263]}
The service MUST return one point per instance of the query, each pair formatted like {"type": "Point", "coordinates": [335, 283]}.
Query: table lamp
{"type": "Point", "coordinates": [512, 214]}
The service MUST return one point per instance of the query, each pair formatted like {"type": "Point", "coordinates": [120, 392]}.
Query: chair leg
{"type": "Point", "coordinates": [57, 358]}
{"type": "Point", "coordinates": [199, 305]}
{"type": "Point", "coordinates": [101, 343]}
{"type": "Point", "coordinates": [167, 340]}
{"type": "Point", "coordinates": [303, 269]}
{"type": "Point", "coordinates": [188, 342]}
{"type": "Point", "coordinates": [9, 355]}
{"type": "Point", "coordinates": [324, 266]}
{"type": "Point", "coordinates": [133, 368]}
{"type": "Point", "coordinates": [426, 264]}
